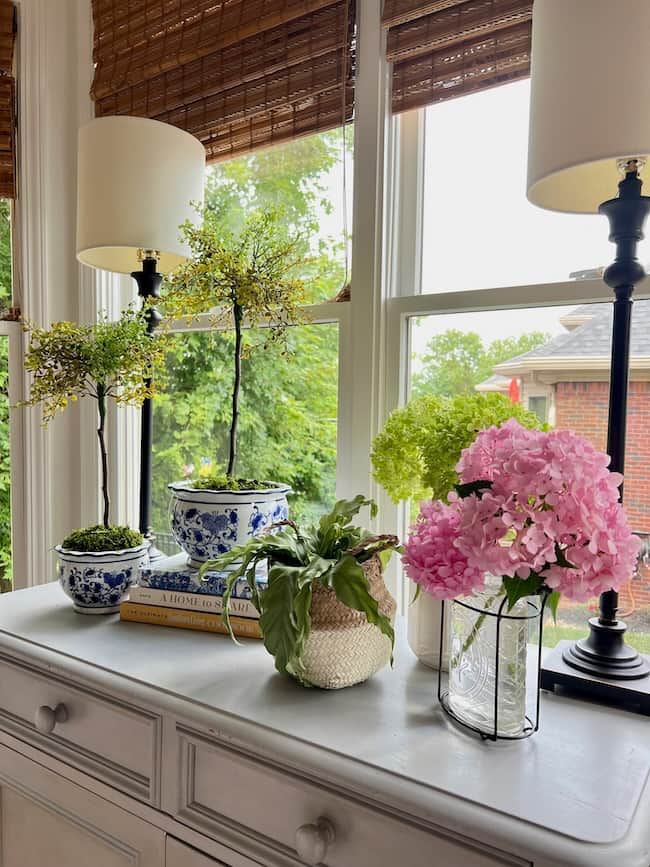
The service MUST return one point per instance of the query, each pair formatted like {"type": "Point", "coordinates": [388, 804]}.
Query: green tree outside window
{"type": "Point", "coordinates": [287, 427]}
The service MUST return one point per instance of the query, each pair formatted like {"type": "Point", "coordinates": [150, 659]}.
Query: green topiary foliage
{"type": "Point", "coordinates": [416, 454]}
{"type": "Point", "coordinates": [116, 360]}
{"type": "Point", "coordinates": [100, 538]}
{"type": "Point", "coordinates": [244, 279]}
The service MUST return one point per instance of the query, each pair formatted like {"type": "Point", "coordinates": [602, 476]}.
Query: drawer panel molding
{"type": "Point", "coordinates": [106, 738]}
{"type": "Point", "coordinates": [220, 787]}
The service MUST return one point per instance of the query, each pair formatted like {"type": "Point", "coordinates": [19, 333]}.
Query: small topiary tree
{"type": "Point", "coordinates": [416, 454]}
{"type": "Point", "coordinates": [108, 360]}
{"type": "Point", "coordinates": [248, 278]}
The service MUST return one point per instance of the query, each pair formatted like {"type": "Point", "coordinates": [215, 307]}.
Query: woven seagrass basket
{"type": "Point", "coordinates": [343, 648]}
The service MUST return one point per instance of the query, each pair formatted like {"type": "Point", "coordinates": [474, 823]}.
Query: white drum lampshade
{"type": "Point", "coordinates": [137, 182]}
{"type": "Point", "coordinates": [590, 99]}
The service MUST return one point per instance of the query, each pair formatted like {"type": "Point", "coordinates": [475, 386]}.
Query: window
{"type": "Point", "coordinates": [566, 350]}
{"type": "Point", "coordinates": [531, 271]}
{"type": "Point", "coordinates": [480, 229]}
{"type": "Point", "coordinates": [288, 427]}
{"type": "Point", "coordinates": [289, 405]}
{"type": "Point", "coordinates": [538, 405]}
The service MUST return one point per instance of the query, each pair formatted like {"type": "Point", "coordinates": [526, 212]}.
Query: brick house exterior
{"type": "Point", "coordinates": [566, 382]}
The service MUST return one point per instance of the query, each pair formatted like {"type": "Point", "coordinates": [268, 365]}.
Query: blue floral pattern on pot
{"type": "Point", "coordinates": [97, 582]}
{"type": "Point", "coordinates": [208, 523]}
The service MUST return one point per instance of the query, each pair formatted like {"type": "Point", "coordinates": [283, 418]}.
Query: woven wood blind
{"type": "Point", "coordinates": [237, 74]}
{"type": "Point", "coordinates": [446, 48]}
{"type": "Point", "coordinates": [7, 101]}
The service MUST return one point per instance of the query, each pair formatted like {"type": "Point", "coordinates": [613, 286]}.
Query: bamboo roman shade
{"type": "Point", "coordinates": [7, 101]}
{"type": "Point", "coordinates": [237, 74]}
{"type": "Point", "coordinates": [446, 48]}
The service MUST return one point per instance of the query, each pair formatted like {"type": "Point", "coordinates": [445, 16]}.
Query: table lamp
{"type": "Point", "coordinates": [589, 137]}
{"type": "Point", "coordinates": [138, 181]}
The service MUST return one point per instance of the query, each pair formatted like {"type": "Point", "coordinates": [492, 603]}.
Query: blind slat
{"type": "Point", "coordinates": [7, 101]}
{"type": "Point", "coordinates": [400, 11]}
{"type": "Point", "coordinates": [441, 49]}
{"type": "Point", "coordinates": [7, 138]}
{"type": "Point", "coordinates": [466, 68]}
{"type": "Point", "coordinates": [7, 37]}
{"type": "Point", "coordinates": [473, 18]}
{"type": "Point", "coordinates": [148, 38]}
{"type": "Point", "coordinates": [264, 54]}
{"type": "Point", "coordinates": [321, 114]}
{"type": "Point", "coordinates": [238, 74]}
{"type": "Point", "coordinates": [291, 87]}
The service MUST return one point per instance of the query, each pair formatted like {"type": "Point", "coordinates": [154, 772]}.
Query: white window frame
{"type": "Point", "coordinates": [406, 298]}
{"type": "Point", "coordinates": [374, 349]}
{"type": "Point", "coordinates": [54, 54]}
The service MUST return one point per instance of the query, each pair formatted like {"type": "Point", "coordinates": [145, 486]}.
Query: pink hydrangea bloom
{"type": "Point", "coordinates": [551, 498]}
{"type": "Point", "coordinates": [431, 558]}
{"type": "Point", "coordinates": [551, 491]}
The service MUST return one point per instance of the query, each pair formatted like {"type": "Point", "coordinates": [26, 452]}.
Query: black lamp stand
{"type": "Point", "coordinates": [148, 280]}
{"type": "Point", "coordinates": [603, 664]}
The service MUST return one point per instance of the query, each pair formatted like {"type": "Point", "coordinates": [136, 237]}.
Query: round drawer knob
{"type": "Point", "coordinates": [46, 719]}
{"type": "Point", "coordinates": [312, 841]}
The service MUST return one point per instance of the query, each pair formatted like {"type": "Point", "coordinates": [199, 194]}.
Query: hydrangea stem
{"type": "Point", "coordinates": [474, 631]}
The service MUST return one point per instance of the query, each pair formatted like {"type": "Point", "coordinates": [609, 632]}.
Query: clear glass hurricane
{"type": "Point", "coordinates": [486, 680]}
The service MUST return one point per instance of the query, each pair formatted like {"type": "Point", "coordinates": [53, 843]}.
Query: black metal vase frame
{"type": "Point", "coordinates": [536, 612]}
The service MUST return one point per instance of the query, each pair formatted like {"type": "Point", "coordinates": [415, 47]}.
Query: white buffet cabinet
{"type": "Point", "coordinates": [124, 744]}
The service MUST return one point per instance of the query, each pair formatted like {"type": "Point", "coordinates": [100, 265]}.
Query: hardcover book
{"type": "Point", "coordinates": [202, 621]}
{"type": "Point", "coordinates": [192, 601]}
{"type": "Point", "coordinates": [173, 573]}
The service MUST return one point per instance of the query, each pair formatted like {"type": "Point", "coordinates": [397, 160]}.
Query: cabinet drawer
{"type": "Point", "coordinates": [179, 855]}
{"type": "Point", "coordinates": [222, 787]}
{"type": "Point", "coordinates": [110, 740]}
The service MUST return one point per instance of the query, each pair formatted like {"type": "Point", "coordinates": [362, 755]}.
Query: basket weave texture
{"type": "Point", "coordinates": [343, 648]}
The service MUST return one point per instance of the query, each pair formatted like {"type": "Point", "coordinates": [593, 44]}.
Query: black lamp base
{"type": "Point", "coordinates": [629, 694]}
{"type": "Point", "coordinates": [155, 554]}
{"type": "Point", "coordinates": [603, 664]}
{"type": "Point", "coordinates": [605, 654]}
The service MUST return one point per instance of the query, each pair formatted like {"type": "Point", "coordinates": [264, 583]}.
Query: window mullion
{"type": "Point", "coordinates": [361, 373]}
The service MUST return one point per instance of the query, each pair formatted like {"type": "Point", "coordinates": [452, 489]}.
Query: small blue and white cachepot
{"type": "Point", "coordinates": [97, 582]}
{"type": "Point", "coordinates": [208, 523]}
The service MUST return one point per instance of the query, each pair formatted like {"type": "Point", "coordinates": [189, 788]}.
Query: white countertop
{"type": "Point", "coordinates": [583, 775]}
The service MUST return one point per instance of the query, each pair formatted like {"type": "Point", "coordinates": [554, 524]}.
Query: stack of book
{"type": "Point", "coordinates": [170, 593]}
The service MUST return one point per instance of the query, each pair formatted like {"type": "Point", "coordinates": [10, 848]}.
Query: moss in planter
{"type": "Point", "coordinates": [100, 538]}
{"type": "Point", "coordinates": [227, 483]}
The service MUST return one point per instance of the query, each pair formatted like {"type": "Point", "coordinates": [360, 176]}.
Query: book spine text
{"type": "Point", "coordinates": [181, 619]}
{"type": "Point", "coordinates": [192, 602]}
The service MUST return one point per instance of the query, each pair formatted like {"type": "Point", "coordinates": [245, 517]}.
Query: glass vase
{"type": "Point", "coordinates": [494, 661]}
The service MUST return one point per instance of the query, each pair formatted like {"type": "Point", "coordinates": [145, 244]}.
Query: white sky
{"type": "Point", "coordinates": [479, 229]}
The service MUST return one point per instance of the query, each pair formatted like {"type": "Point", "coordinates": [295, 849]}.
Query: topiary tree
{"type": "Point", "coordinates": [416, 454]}
{"type": "Point", "coordinates": [245, 278]}
{"type": "Point", "coordinates": [108, 360]}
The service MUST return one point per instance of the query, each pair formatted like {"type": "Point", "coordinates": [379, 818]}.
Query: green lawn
{"type": "Point", "coordinates": [553, 634]}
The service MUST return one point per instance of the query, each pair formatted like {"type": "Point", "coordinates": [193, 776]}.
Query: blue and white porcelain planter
{"type": "Point", "coordinates": [97, 582]}
{"type": "Point", "coordinates": [208, 523]}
